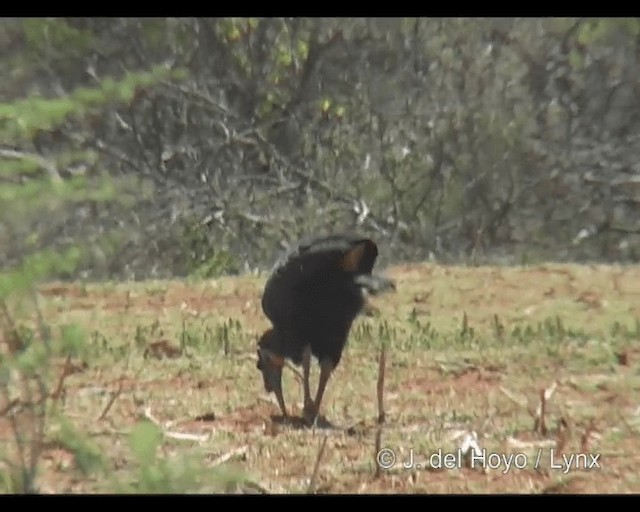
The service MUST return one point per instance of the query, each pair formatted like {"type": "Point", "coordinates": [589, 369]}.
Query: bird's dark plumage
{"type": "Point", "coordinates": [312, 297]}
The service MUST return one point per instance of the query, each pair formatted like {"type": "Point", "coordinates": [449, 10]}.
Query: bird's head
{"type": "Point", "coordinates": [269, 363]}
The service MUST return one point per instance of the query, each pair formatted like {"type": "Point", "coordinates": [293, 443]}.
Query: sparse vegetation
{"type": "Point", "coordinates": [190, 415]}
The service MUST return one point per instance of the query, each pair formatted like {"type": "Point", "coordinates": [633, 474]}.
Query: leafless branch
{"type": "Point", "coordinates": [47, 165]}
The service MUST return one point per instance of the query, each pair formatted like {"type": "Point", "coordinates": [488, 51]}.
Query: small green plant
{"type": "Point", "coordinates": [30, 392]}
{"type": "Point", "coordinates": [180, 474]}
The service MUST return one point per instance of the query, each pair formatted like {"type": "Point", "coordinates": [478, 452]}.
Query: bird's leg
{"type": "Point", "coordinates": [306, 370]}
{"type": "Point", "coordinates": [326, 368]}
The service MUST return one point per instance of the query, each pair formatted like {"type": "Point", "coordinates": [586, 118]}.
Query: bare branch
{"type": "Point", "coordinates": [47, 165]}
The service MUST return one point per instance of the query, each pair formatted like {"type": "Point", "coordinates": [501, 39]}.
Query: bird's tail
{"type": "Point", "coordinates": [375, 284]}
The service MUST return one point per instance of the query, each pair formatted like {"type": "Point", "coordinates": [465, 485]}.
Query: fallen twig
{"type": "Point", "coordinates": [236, 452]}
{"type": "Point", "coordinates": [523, 445]}
{"type": "Point", "coordinates": [316, 467]}
{"type": "Point", "coordinates": [180, 436]}
{"type": "Point", "coordinates": [147, 414]}
{"type": "Point", "coordinates": [114, 396]}
{"type": "Point", "coordinates": [185, 436]}
{"type": "Point", "coordinates": [518, 401]}
{"type": "Point", "coordinates": [116, 393]}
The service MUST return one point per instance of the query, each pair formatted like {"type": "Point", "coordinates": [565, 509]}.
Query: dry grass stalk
{"type": "Point", "coordinates": [564, 432]}
{"type": "Point", "coordinates": [380, 386]}
{"type": "Point", "coordinates": [381, 414]}
{"type": "Point", "coordinates": [587, 436]}
{"type": "Point", "coordinates": [539, 424]}
{"type": "Point", "coordinates": [312, 481]}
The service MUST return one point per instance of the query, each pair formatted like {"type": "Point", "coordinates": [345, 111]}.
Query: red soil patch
{"type": "Point", "coordinates": [251, 418]}
{"type": "Point", "coordinates": [177, 296]}
{"type": "Point", "coordinates": [469, 381]}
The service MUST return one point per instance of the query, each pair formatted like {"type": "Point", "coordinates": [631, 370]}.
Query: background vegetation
{"type": "Point", "coordinates": [503, 140]}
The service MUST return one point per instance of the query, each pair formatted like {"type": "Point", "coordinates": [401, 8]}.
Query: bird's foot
{"type": "Point", "coordinates": [309, 413]}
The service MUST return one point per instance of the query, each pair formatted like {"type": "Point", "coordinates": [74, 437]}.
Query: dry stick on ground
{"type": "Point", "coordinates": [527, 445]}
{"type": "Point", "coordinates": [539, 424]}
{"type": "Point", "coordinates": [236, 452]}
{"type": "Point", "coordinates": [381, 415]}
{"type": "Point", "coordinates": [180, 436]}
{"type": "Point", "coordinates": [516, 400]}
{"type": "Point", "coordinates": [312, 481]}
{"type": "Point", "coordinates": [112, 400]}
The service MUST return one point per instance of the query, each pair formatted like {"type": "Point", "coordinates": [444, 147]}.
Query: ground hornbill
{"type": "Point", "coordinates": [312, 297]}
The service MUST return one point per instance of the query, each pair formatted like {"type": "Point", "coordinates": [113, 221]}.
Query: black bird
{"type": "Point", "coordinates": [312, 297]}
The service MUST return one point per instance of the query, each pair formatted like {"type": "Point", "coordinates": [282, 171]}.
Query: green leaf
{"type": "Point", "coordinates": [72, 339]}
{"type": "Point", "coordinates": [145, 439]}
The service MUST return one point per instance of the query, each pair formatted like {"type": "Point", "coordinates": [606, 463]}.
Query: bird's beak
{"type": "Point", "coordinates": [376, 284]}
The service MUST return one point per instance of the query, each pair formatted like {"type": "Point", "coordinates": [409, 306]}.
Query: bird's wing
{"type": "Point", "coordinates": [348, 252]}
{"type": "Point", "coordinates": [307, 261]}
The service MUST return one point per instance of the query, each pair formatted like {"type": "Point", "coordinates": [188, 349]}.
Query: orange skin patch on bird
{"type": "Point", "coordinates": [276, 360]}
{"type": "Point", "coordinates": [351, 261]}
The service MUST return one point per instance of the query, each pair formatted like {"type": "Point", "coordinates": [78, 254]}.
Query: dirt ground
{"type": "Point", "coordinates": [439, 389]}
